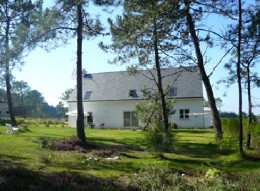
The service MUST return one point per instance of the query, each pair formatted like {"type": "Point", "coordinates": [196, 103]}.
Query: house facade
{"type": "Point", "coordinates": [110, 99]}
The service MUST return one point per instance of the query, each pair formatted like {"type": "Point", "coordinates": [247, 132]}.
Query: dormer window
{"type": "Point", "coordinates": [87, 95]}
{"type": "Point", "coordinates": [132, 93]}
{"type": "Point", "coordinates": [173, 91]}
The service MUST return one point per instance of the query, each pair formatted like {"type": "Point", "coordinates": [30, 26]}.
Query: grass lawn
{"type": "Point", "coordinates": [195, 153]}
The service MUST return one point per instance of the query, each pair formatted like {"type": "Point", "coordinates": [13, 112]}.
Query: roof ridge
{"type": "Point", "coordinates": [107, 72]}
{"type": "Point", "coordinates": [125, 71]}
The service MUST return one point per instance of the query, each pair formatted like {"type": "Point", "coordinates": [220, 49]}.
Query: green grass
{"type": "Point", "coordinates": [195, 152]}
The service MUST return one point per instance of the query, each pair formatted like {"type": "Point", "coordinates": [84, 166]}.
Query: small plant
{"type": "Point", "coordinates": [44, 142]}
{"type": "Point", "coordinates": [23, 127]}
{"type": "Point", "coordinates": [214, 179]}
{"type": "Point", "coordinates": [212, 173]}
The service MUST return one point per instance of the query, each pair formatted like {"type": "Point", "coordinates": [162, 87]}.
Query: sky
{"type": "Point", "coordinates": [53, 72]}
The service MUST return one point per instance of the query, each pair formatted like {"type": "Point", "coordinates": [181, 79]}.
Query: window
{"type": "Point", "coordinates": [87, 95]}
{"type": "Point", "coordinates": [184, 113]}
{"type": "Point", "coordinates": [88, 76]}
{"type": "Point", "coordinates": [173, 91]}
{"type": "Point", "coordinates": [132, 93]}
{"type": "Point", "coordinates": [130, 119]}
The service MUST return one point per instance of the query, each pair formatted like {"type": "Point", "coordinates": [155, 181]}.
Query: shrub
{"type": "Point", "coordinates": [44, 142]}
{"type": "Point", "coordinates": [23, 127]}
{"type": "Point", "coordinates": [230, 126]}
{"type": "Point", "coordinates": [158, 141]}
{"type": "Point", "coordinates": [212, 173]}
{"type": "Point", "coordinates": [255, 133]}
{"type": "Point", "coordinates": [230, 131]}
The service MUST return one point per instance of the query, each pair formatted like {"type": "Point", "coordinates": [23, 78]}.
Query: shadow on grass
{"type": "Point", "coordinates": [97, 144]}
{"type": "Point", "coordinates": [89, 162]}
{"type": "Point", "coordinates": [249, 162]}
{"type": "Point", "coordinates": [9, 160]}
{"type": "Point", "coordinates": [193, 131]}
{"type": "Point", "coordinates": [116, 144]}
{"type": "Point", "coordinates": [189, 166]}
{"type": "Point", "coordinates": [200, 150]}
{"type": "Point", "coordinates": [23, 179]}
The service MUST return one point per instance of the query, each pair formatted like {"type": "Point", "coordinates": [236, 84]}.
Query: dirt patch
{"type": "Point", "coordinates": [96, 149]}
{"type": "Point", "coordinates": [72, 144]}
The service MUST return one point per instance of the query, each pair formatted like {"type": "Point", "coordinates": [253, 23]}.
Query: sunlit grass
{"type": "Point", "coordinates": [195, 150]}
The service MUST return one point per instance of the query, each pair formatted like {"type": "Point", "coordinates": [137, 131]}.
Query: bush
{"type": "Point", "coordinates": [212, 173]}
{"type": "Point", "coordinates": [230, 126]}
{"type": "Point", "coordinates": [44, 142]}
{"type": "Point", "coordinates": [255, 135]}
{"type": "Point", "coordinates": [158, 141]}
{"type": "Point", "coordinates": [23, 127]}
{"type": "Point", "coordinates": [230, 130]}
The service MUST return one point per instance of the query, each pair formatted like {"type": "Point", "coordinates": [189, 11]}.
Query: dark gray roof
{"type": "Point", "coordinates": [112, 86]}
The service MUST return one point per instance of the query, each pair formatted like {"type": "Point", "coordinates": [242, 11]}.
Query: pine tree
{"type": "Point", "coordinates": [191, 18]}
{"type": "Point", "coordinates": [145, 35]}
{"type": "Point", "coordinates": [73, 18]}
{"type": "Point", "coordinates": [17, 19]}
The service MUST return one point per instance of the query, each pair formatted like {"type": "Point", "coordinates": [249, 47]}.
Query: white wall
{"type": "Point", "coordinates": [207, 117]}
{"type": "Point", "coordinates": [111, 112]}
{"type": "Point", "coordinates": [195, 107]}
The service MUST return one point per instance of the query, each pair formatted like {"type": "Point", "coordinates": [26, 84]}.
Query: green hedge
{"type": "Point", "coordinates": [230, 126]}
{"type": "Point", "coordinates": [33, 121]}
{"type": "Point", "coordinates": [231, 131]}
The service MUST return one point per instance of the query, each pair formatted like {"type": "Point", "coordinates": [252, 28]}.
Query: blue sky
{"type": "Point", "coordinates": [51, 73]}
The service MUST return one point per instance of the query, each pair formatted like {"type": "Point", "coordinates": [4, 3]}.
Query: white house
{"type": "Point", "coordinates": [110, 98]}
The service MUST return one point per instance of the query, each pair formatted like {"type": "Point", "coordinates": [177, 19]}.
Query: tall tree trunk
{"type": "Point", "coordinates": [249, 119]}
{"type": "Point", "coordinates": [159, 83]}
{"type": "Point", "coordinates": [7, 73]}
{"type": "Point", "coordinates": [205, 79]}
{"type": "Point", "coordinates": [240, 125]}
{"type": "Point", "coordinates": [80, 118]}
